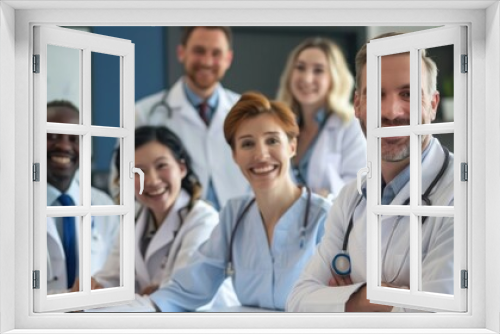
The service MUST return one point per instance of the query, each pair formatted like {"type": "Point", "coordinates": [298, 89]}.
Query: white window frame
{"type": "Point", "coordinates": [483, 21]}
{"type": "Point", "coordinates": [85, 43]}
{"type": "Point", "coordinates": [413, 43]}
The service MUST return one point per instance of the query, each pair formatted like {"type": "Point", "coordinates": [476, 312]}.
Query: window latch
{"type": "Point", "coordinates": [133, 170]}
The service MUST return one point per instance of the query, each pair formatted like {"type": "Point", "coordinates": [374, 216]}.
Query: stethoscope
{"type": "Point", "coordinates": [162, 104]}
{"type": "Point", "coordinates": [341, 263]}
{"type": "Point", "coordinates": [229, 271]}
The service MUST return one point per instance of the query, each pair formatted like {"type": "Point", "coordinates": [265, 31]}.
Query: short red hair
{"type": "Point", "coordinates": [253, 104]}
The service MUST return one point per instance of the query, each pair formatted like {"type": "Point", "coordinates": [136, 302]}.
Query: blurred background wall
{"type": "Point", "coordinates": [259, 57]}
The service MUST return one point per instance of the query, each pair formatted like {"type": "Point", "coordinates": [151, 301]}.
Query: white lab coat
{"type": "Point", "coordinates": [104, 232]}
{"type": "Point", "coordinates": [210, 154]}
{"type": "Point", "coordinates": [171, 248]}
{"type": "Point", "coordinates": [312, 293]}
{"type": "Point", "coordinates": [340, 151]}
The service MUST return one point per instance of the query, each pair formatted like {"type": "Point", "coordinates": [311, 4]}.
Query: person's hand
{"type": "Point", "coordinates": [358, 303]}
{"type": "Point", "coordinates": [94, 285]}
{"type": "Point", "coordinates": [149, 289]}
{"type": "Point", "coordinates": [338, 280]}
{"type": "Point", "coordinates": [323, 192]}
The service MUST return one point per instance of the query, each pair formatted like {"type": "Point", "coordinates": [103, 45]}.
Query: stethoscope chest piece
{"type": "Point", "coordinates": [341, 264]}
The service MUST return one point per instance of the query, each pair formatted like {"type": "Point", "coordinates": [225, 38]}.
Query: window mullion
{"type": "Point", "coordinates": [373, 183]}
{"type": "Point", "coordinates": [86, 169]}
{"type": "Point", "coordinates": [415, 172]}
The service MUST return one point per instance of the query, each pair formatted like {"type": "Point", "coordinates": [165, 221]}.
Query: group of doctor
{"type": "Point", "coordinates": [272, 169]}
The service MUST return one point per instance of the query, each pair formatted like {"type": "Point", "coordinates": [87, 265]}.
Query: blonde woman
{"type": "Point", "coordinates": [317, 85]}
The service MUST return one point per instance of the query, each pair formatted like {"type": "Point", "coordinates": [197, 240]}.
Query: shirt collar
{"type": "Point", "coordinates": [195, 100]}
{"type": "Point", "coordinates": [73, 191]}
{"type": "Point", "coordinates": [390, 190]}
{"type": "Point", "coordinates": [320, 117]}
{"type": "Point", "coordinates": [170, 225]}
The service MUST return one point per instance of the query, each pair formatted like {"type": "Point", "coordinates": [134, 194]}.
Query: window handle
{"type": "Point", "coordinates": [138, 171]}
{"type": "Point", "coordinates": [365, 170]}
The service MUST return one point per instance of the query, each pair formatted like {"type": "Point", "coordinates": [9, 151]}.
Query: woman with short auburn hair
{"type": "Point", "coordinates": [262, 241]}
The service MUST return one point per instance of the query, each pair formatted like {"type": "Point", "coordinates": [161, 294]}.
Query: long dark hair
{"type": "Point", "coordinates": [163, 135]}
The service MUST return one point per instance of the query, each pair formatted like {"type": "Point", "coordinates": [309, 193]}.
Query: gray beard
{"type": "Point", "coordinates": [397, 156]}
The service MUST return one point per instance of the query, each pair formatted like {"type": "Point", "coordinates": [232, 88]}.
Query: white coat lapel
{"type": "Point", "coordinates": [141, 271]}
{"type": "Point", "coordinates": [402, 196]}
{"type": "Point", "coordinates": [321, 151]}
{"type": "Point", "coordinates": [168, 228]}
{"type": "Point", "coordinates": [223, 107]}
{"type": "Point", "coordinates": [432, 164]}
{"type": "Point", "coordinates": [179, 102]}
{"type": "Point", "coordinates": [53, 235]}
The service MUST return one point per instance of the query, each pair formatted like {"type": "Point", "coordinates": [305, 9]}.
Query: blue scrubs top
{"type": "Point", "coordinates": [264, 276]}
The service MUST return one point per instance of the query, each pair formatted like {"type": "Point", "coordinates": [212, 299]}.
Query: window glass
{"type": "Point", "coordinates": [395, 250]}
{"type": "Point", "coordinates": [395, 186]}
{"type": "Point", "coordinates": [63, 254]}
{"type": "Point", "coordinates": [105, 90]}
{"type": "Point", "coordinates": [435, 174]}
{"type": "Point", "coordinates": [64, 77]}
{"type": "Point", "coordinates": [442, 62]}
{"type": "Point", "coordinates": [437, 255]}
{"type": "Point", "coordinates": [63, 161]}
{"type": "Point", "coordinates": [105, 154]}
{"type": "Point", "coordinates": [105, 259]}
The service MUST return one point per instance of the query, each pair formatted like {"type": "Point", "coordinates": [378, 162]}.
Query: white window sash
{"type": "Point", "coordinates": [484, 319]}
{"type": "Point", "coordinates": [86, 43]}
{"type": "Point", "coordinates": [412, 42]}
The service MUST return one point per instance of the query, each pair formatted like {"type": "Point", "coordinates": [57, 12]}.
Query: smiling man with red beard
{"type": "Point", "coordinates": [195, 107]}
{"type": "Point", "coordinates": [63, 158]}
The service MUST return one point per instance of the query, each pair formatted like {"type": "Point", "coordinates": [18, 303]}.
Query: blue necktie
{"type": "Point", "coordinates": [69, 241]}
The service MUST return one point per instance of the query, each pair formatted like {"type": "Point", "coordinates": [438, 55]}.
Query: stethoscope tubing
{"type": "Point", "coordinates": [425, 198]}
{"type": "Point", "coordinates": [229, 270]}
{"type": "Point", "coordinates": [161, 103]}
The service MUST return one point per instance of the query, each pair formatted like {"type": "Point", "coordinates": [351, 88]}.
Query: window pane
{"type": "Point", "coordinates": [437, 255]}
{"type": "Point", "coordinates": [63, 255]}
{"type": "Point", "coordinates": [435, 160]}
{"type": "Point", "coordinates": [63, 160]}
{"type": "Point", "coordinates": [397, 182]}
{"type": "Point", "coordinates": [106, 251]}
{"type": "Point", "coordinates": [105, 90]}
{"type": "Point", "coordinates": [395, 250]}
{"type": "Point", "coordinates": [104, 155]}
{"type": "Point", "coordinates": [446, 139]}
{"type": "Point", "coordinates": [438, 59]}
{"type": "Point", "coordinates": [395, 90]}
{"type": "Point", "coordinates": [63, 79]}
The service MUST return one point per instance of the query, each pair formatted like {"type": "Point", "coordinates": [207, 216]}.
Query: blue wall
{"type": "Point", "coordinates": [150, 77]}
